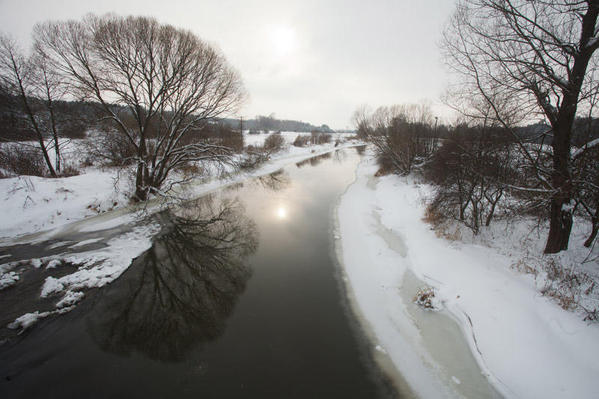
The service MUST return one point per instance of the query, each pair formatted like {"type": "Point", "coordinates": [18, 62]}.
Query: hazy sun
{"type": "Point", "coordinates": [281, 212]}
{"type": "Point", "coordinates": [283, 39]}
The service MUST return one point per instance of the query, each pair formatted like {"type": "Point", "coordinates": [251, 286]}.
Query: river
{"type": "Point", "coordinates": [239, 296]}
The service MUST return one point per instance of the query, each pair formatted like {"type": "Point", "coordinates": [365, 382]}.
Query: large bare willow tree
{"type": "Point", "coordinates": [154, 82]}
{"type": "Point", "coordinates": [531, 58]}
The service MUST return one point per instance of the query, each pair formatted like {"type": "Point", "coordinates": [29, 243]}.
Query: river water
{"type": "Point", "coordinates": [239, 296]}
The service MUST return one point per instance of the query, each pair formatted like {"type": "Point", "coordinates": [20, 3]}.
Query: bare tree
{"type": "Point", "coordinates": [50, 89]}
{"type": "Point", "coordinates": [401, 134]}
{"type": "Point", "coordinates": [166, 79]}
{"type": "Point", "coordinates": [471, 170]}
{"type": "Point", "coordinates": [537, 56]}
{"type": "Point", "coordinates": [361, 121]}
{"type": "Point", "coordinates": [36, 88]}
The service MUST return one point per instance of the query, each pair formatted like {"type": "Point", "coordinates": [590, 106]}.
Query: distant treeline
{"type": "Point", "coordinates": [73, 117]}
{"type": "Point", "coordinates": [79, 116]}
{"type": "Point", "coordinates": [583, 131]}
{"type": "Point", "coordinates": [270, 124]}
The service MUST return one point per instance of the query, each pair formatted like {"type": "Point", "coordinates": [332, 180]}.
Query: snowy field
{"type": "Point", "coordinates": [523, 343]}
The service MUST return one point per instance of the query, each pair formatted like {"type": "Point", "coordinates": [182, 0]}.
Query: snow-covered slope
{"type": "Point", "coordinates": [524, 343]}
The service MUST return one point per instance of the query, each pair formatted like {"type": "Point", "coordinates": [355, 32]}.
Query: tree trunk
{"type": "Point", "coordinates": [593, 235]}
{"type": "Point", "coordinates": [141, 192]}
{"type": "Point", "coordinates": [595, 228]}
{"type": "Point", "coordinates": [494, 202]}
{"type": "Point", "coordinates": [560, 225]}
{"type": "Point", "coordinates": [46, 156]}
{"type": "Point", "coordinates": [141, 176]}
{"type": "Point", "coordinates": [54, 132]}
{"type": "Point", "coordinates": [560, 222]}
{"type": "Point", "coordinates": [475, 217]}
{"type": "Point", "coordinates": [35, 126]}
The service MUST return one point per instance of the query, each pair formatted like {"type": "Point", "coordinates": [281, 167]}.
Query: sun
{"type": "Point", "coordinates": [281, 212]}
{"type": "Point", "coordinates": [283, 39]}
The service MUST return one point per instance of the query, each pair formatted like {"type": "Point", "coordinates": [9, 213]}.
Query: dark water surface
{"type": "Point", "coordinates": [238, 297]}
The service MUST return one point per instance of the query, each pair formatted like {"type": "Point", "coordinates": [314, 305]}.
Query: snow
{"type": "Point", "coordinates": [27, 320]}
{"type": "Point", "coordinates": [6, 267]}
{"type": "Point", "coordinates": [522, 342]}
{"type": "Point", "coordinates": [70, 299]}
{"type": "Point", "coordinates": [32, 204]}
{"type": "Point", "coordinates": [86, 242]}
{"type": "Point", "coordinates": [108, 221]}
{"type": "Point", "coordinates": [54, 263]}
{"type": "Point", "coordinates": [94, 269]}
{"type": "Point", "coordinates": [100, 267]}
{"type": "Point", "coordinates": [8, 279]}
{"type": "Point", "coordinates": [51, 285]}
{"type": "Point", "coordinates": [591, 144]}
{"type": "Point", "coordinates": [58, 244]}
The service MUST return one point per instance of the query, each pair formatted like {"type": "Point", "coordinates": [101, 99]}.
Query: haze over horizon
{"type": "Point", "coordinates": [301, 60]}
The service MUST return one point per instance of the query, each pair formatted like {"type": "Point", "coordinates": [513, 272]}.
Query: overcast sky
{"type": "Point", "coordinates": [309, 60]}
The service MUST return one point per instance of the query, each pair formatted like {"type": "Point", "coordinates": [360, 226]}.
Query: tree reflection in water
{"type": "Point", "coordinates": [276, 181]}
{"type": "Point", "coordinates": [314, 161]}
{"type": "Point", "coordinates": [180, 292]}
{"type": "Point", "coordinates": [339, 156]}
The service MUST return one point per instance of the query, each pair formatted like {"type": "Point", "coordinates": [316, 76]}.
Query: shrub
{"type": "Point", "coordinates": [320, 138]}
{"type": "Point", "coordinates": [112, 149]}
{"type": "Point", "coordinates": [471, 170]}
{"type": "Point", "coordinates": [253, 158]}
{"type": "Point", "coordinates": [22, 160]}
{"type": "Point", "coordinates": [191, 169]}
{"type": "Point", "coordinates": [301, 140]}
{"type": "Point", "coordinates": [233, 140]}
{"type": "Point", "coordinates": [274, 142]}
{"type": "Point", "coordinates": [69, 170]}
{"type": "Point", "coordinates": [566, 285]}
{"type": "Point", "coordinates": [217, 134]}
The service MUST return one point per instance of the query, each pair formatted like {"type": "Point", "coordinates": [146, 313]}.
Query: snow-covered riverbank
{"type": "Point", "coordinates": [522, 342]}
